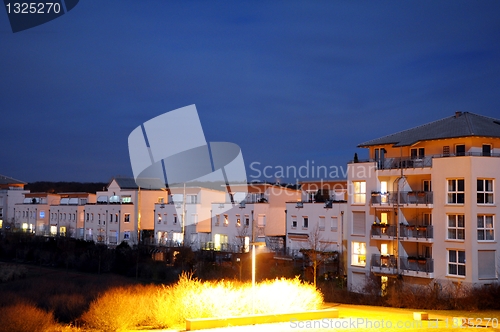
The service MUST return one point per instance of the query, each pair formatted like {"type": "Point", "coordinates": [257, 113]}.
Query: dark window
{"type": "Point", "coordinates": [486, 150]}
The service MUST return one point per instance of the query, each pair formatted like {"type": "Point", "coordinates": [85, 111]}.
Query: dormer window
{"type": "Point", "coordinates": [486, 150]}
{"type": "Point", "coordinates": [417, 153]}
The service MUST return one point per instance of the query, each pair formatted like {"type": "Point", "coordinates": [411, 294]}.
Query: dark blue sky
{"type": "Point", "coordinates": [289, 82]}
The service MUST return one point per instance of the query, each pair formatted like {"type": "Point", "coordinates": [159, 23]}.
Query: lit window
{"type": "Point", "coordinates": [456, 262]}
{"type": "Point", "coordinates": [238, 220]}
{"type": "Point", "coordinates": [485, 228]}
{"type": "Point", "coordinates": [456, 227]}
{"type": "Point", "coordinates": [159, 218]}
{"type": "Point", "coordinates": [456, 191]}
{"type": "Point", "coordinates": [484, 191]}
{"type": "Point", "coordinates": [226, 220]}
{"type": "Point", "coordinates": [359, 193]}
{"type": "Point", "coordinates": [358, 254]}
{"type": "Point", "coordinates": [127, 217]}
{"type": "Point", "coordinates": [126, 199]}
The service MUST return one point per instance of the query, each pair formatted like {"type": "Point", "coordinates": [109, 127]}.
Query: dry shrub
{"type": "Point", "coordinates": [120, 309]}
{"type": "Point", "coordinates": [162, 306]}
{"type": "Point", "coordinates": [23, 317]}
{"type": "Point", "coordinates": [67, 307]}
{"type": "Point", "coordinates": [444, 296]}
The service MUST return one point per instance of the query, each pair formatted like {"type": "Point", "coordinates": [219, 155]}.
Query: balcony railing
{"type": "Point", "coordinates": [383, 230]}
{"type": "Point", "coordinates": [224, 247]}
{"type": "Point", "coordinates": [384, 263]}
{"type": "Point", "coordinates": [388, 264]}
{"type": "Point", "coordinates": [169, 243]}
{"type": "Point", "coordinates": [416, 231]}
{"type": "Point", "coordinates": [405, 231]}
{"type": "Point", "coordinates": [405, 197]}
{"type": "Point", "coordinates": [418, 264]}
{"type": "Point", "coordinates": [416, 162]}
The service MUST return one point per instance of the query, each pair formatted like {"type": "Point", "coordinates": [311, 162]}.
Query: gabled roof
{"type": "Point", "coordinates": [8, 180]}
{"type": "Point", "coordinates": [125, 183]}
{"type": "Point", "coordinates": [459, 125]}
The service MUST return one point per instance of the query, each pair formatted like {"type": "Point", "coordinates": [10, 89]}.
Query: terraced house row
{"type": "Point", "coordinates": [422, 207]}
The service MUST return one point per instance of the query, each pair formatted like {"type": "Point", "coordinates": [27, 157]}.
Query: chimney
{"type": "Point", "coordinates": [457, 114]}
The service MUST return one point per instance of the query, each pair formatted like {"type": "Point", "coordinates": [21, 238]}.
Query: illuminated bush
{"type": "Point", "coordinates": [121, 308]}
{"type": "Point", "coordinates": [161, 306]}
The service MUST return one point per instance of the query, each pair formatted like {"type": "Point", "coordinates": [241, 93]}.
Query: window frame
{"type": "Point", "coordinates": [454, 191]}
{"type": "Point", "coordinates": [359, 192]}
{"type": "Point", "coordinates": [417, 153]}
{"type": "Point", "coordinates": [456, 228]}
{"type": "Point", "coordinates": [357, 253]}
{"type": "Point", "coordinates": [305, 222]}
{"type": "Point", "coordinates": [457, 263]}
{"type": "Point", "coordinates": [485, 229]}
{"type": "Point", "coordinates": [485, 193]}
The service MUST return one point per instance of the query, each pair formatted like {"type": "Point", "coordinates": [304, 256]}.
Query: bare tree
{"type": "Point", "coordinates": [242, 231]}
{"type": "Point", "coordinates": [317, 252]}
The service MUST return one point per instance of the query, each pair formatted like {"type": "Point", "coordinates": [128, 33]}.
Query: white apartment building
{"type": "Point", "coordinates": [317, 220]}
{"type": "Point", "coordinates": [192, 204]}
{"type": "Point", "coordinates": [122, 213]}
{"type": "Point", "coordinates": [67, 217]}
{"type": "Point", "coordinates": [11, 193]}
{"type": "Point", "coordinates": [251, 213]}
{"type": "Point", "coordinates": [424, 206]}
{"type": "Point", "coordinates": [32, 215]}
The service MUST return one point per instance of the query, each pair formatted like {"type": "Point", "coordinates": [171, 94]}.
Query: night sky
{"type": "Point", "coordinates": [289, 82]}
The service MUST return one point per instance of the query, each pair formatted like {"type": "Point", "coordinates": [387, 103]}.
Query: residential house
{"type": "Point", "coordinates": [32, 215]}
{"type": "Point", "coordinates": [68, 215]}
{"type": "Point", "coordinates": [251, 213]}
{"type": "Point", "coordinates": [316, 221]}
{"type": "Point", "coordinates": [424, 205]}
{"type": "Point", "coordinates": [123, 212]}
{"type": "Point", "coordinates": [11, 193]}
{"type": "Point", "coordinates": [192, 204]}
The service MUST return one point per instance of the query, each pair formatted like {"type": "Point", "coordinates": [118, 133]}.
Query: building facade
{"type": "Point", "coordinates": [11, 193]}
{"type": "Point", "coordinates": [423, 207]}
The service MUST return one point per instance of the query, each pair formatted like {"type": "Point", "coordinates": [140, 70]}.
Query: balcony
{"type": "Point", "coordinates": [224, 247]}
{"type": "Point", "coordinates": [414, 198]}
{"type": "Point", "coordinates": [417, 266]}
{"type": "Point", "coordinates": [422, 162]}
{"type": "Point", "coordinates": [416, 232]}
{"type": "Point", "coordinates": [384, 264]}
{"type": "Point", "coordinates": [383, 231]}
{"type": "Point", "coordinates": [409, 266]}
